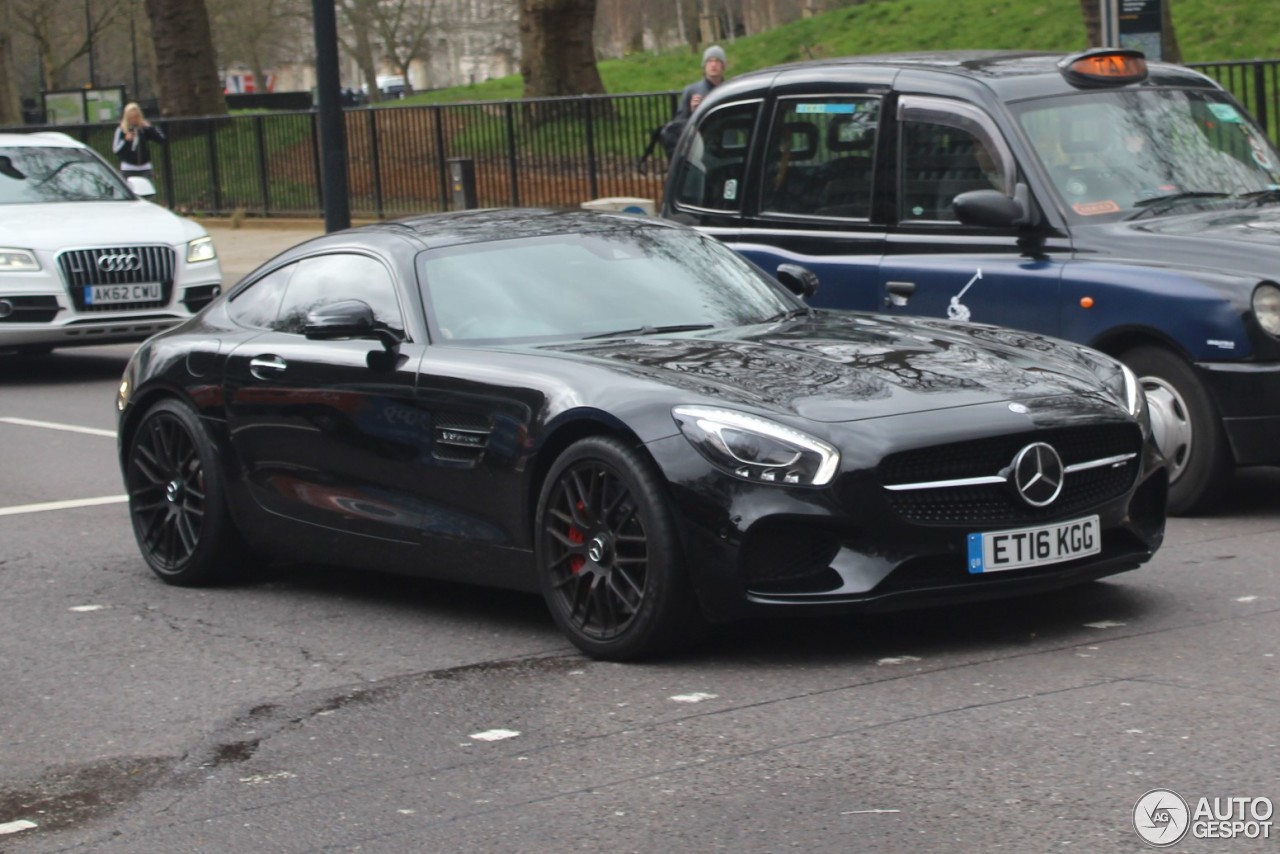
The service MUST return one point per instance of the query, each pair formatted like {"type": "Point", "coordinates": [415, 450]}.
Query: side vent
{"type": "Point", "coordinates": [460, 437]}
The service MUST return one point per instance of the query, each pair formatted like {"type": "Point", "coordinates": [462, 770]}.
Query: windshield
{"type": "Point", "coordinates": [30, 175]}
{"type": "Point", "coordinates": [1124, 154]}
{"type": "Point", "coordinates": [631, 281]}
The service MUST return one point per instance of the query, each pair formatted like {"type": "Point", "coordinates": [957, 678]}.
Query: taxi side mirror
{"type": "Point", "coordinates": [993, 209]}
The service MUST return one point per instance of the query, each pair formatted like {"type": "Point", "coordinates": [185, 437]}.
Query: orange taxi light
{"type": "Point", "coordinates": [1106, 65]}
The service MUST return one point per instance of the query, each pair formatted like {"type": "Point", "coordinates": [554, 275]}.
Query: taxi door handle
{"type": "Point", "coordinates": [899, 292]}
{"type": "Point", "coordinates": [265, 367]}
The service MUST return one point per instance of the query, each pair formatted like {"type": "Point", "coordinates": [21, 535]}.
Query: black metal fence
{"type": "Point", "coordinates": [556, 152]}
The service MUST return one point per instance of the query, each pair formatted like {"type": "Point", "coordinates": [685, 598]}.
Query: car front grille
{"type": "Point", "coordinates": [118, 265]}
{"type": "Point", "coordinates": [997, 503]}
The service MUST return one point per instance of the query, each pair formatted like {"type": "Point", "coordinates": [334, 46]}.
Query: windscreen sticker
{"type": "Point", "coordinates": [1261, 154]}
{"type": "Point", "coordinates": [1226, 113]}
{"type": "Point", "coordinates": [1095, 208]}
{"type": "Point", "coordinates": [844, 109]}
{"type": "Point", "coordinates": [731, 189]}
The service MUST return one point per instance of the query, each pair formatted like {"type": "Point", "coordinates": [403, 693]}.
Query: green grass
{"type": "Point", "coordinates": [1207, 30]}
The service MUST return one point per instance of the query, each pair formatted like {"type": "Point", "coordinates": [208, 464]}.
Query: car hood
{"type": "Point", "coordinates": [57, 226]}
{"type": "Point", "coordinates": [1240, 241]}
{"type": "Point", "coordinates": [835, 367]}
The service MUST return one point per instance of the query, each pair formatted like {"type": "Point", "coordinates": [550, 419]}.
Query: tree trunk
{"type": "Point", "coordinates": [188, 71]}
{"type": "Point", "coordinates": [10, 103]}
{"type": "Point", "coordinates": [1168, 38]}
{"type": "Point", "coordinates": [557, 48]}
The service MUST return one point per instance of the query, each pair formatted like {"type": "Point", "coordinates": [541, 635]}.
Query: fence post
{"type": "Point", "coordinates": [264, 180]}
{"type": "Point", "coordinates": [213, 166]}
{"type": "Point", "coordinates": [513, 159]}
{"type": "Point", "coordinates": [592, 185]}
{"type": "Point", "coordinates": [166, 157]}
{"type": "Point", "coordinates": [1260, 95]}
{"type": "Point", "coordinates": [375, 163]}
{"type": "Point", "coordinates": [440, 158]}
{"type": "Point", "coordinates": [315, 159]}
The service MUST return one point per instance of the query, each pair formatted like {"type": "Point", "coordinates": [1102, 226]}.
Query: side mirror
{"type": "Point", "coordinates": [350, 318]}
{"type": "Point", "coordinates": [993, 209]}
{"type": "Point", "coordinates": [141, 186]}
{"type": "Point", "coordinates": [801, 281]}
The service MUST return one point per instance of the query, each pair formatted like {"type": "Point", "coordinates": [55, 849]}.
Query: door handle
{"type": "Point", "coordinates": [898, 292]}
{"type": "Point", "coordinates": [265, 367]}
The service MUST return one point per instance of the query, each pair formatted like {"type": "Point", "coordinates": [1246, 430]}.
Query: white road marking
{"type": "Point", "coordinates": [494, 734]}
{"type": "Point", "coordinates": [1103, 624]}
{"type": "Point", "coordinates": [1247, 599]}
{"type": "Point", "coordinates": [696, 697]}
{"type": "Point", "coordinates": [900, 659]}
{"type": "Point", "coordinates": [867, 812]}
{"type": "Point", "coordinates": [82, 609]}
{"type": "Point", "coordinates": [63, 505]}
{"type": "Point", "coordinates": [51, 425]}
{"type": "Point", "coordinates": [15, 826]}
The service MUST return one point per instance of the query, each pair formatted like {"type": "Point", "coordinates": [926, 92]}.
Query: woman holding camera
{"type": "Point", "coordinates": [130, 143]}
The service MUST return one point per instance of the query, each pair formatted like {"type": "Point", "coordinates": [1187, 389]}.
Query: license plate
{"type": "Point", "coordinates": [1039, 546]}
{"type": "Point", "coordinates": [112, 294]}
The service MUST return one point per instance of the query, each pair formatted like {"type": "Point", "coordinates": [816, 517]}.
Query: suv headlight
{"type": "Point", "coordinates": [1266, 307]}
{"type": "Point", "coordinates": [18, 261]}
{"type": "Point", "coordinates": [757, 449]}
{"type": "Point", "coordinates": [201, 249]}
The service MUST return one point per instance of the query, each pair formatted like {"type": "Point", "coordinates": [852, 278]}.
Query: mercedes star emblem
{"type": "Point", "coordinates": [1037, 474]}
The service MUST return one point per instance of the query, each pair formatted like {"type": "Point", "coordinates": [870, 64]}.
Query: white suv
{"type": "Point", "coordinates": [84, 259]}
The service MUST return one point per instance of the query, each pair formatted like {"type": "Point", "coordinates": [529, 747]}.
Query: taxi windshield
{"type": "Point", "coordinates": [1148, 152]}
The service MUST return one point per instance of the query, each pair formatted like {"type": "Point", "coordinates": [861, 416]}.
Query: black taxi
{"type": "Point", "coordinates": [1127, 205]}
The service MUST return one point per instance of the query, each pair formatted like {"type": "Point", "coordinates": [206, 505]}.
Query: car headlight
{"type": "Point", "coordinates": [1266, 307]}
{"type": "Point", "coordinates": [757, 449]}
{"type": "Point", "coordinates": [1135, 399]}
{"type": "Point", "coordinates": [201, 249]}
{"type": "Point", "coordinates": [18, 261]}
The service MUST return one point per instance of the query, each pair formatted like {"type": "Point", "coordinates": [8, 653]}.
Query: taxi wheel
{"type": "Point", "coordinates": [610, 561]}
{"type": "Point", "coordinates": [1187, 429]}
{"type": "Point", "coordinates": [177, 502]}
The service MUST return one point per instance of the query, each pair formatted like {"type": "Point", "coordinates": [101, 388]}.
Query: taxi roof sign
{"type": "Point", "coordinates": [1104, 66]}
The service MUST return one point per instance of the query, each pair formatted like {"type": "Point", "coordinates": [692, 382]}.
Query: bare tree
{"type": "Point", "coordinates": [258, 33]}
{"type": "Point", "coordinates": [557, 48]}
{"type": "Point", "coordinates": [63, 31]}
{"type": "Point", "coordinates": [361, 17]}
{"type": "Point", "coordinates": [10, 102]}
{"type": "Point", "coordinates": [403, 27]}
{"type": "Point", "coordinates": [187, 66]}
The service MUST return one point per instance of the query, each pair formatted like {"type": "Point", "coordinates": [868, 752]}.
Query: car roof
{"type": "Point", "coordinates": [39, 139]}
{"type": "Point", "coordinates": [1007, 72]}
{"type": "Point", "coordinates": [447, 229]}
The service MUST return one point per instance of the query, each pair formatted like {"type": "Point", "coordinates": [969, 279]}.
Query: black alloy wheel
{"type": "Point", "coordinates": [610, 562]}
{"type": "Point", "coordinates": [176, 499]}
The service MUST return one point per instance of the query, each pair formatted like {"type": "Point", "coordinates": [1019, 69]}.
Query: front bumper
{"type": "Point", "coordinates": [755, 549]}
{"type": "Point", "coordinates": [1248, 396]}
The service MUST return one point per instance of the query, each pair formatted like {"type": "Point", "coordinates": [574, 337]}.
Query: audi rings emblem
{"type": "Point", "coordinates": [1037, 474]}
{"type": "Point", "coordinates": [123, 262]}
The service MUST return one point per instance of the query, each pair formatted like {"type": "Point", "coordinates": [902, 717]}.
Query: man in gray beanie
{"type": "Point", "coordinates": [713, 65]}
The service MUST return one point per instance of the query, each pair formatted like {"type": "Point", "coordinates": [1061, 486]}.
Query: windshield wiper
{"type": "Point", "coordinates": [790, 314]}
{"type": "Point", "coordinates": [1259, 197]}
{"type": "Point", "coordinates": [1160, 204]}
{"type": "Point", "coordinates": [653, 330]}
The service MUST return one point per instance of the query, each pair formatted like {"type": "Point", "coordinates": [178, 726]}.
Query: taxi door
{"type": "Point", "coordinates": [935, 266]}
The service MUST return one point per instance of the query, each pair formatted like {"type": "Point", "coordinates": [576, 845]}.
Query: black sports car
{"type": "Point", "coordinates": [631, 418]}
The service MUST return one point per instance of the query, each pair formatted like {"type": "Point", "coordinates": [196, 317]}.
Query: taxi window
{"type": "Point", "coordinates": [711, 171]}
{"type": "Point", "coordinates": [819, 157]}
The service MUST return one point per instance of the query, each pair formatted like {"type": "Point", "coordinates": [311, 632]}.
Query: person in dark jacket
{"type": "Point", "coordinates": [713, 67]}
{"type": "Point", "coordinates": [130, 143]}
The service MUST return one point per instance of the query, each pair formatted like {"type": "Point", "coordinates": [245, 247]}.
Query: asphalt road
{"type": "Point", "coordinates": [319, 709]}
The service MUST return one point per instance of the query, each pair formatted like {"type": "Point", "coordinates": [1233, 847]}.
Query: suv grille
{"type": "Point", "coordinates": [997, 503]}
{"type": "Point", "coordinates": [119, 265]}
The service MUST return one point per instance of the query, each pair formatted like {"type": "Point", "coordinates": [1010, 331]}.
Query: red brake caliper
{"type": "Point", "coordinates": [576, 537]}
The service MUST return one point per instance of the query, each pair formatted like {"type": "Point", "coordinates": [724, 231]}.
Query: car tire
{"type": "Point", "coordinates": [1188, 430]}
{"type": "Point", "coordinates": [610, 562]}
{"type": "Point", "coordinates": [177, 500]}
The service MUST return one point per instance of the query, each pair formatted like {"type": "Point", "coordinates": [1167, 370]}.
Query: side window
{"type": "Point", "coordinates": [820, 156]}
{"type": "Point", "coordinates": [324, 279]}
{"type": "Point", "coordinates": [946, 151]}
{"type": "Point", "coordinates": [711, 171]}
{"type": "Point", "coordinates": [259, 303]}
